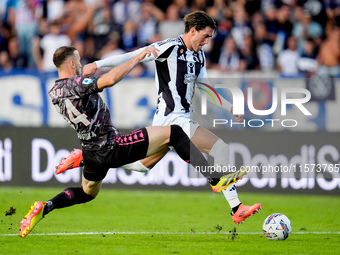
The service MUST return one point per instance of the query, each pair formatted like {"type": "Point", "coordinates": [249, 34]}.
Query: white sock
{"type": "Point", "coordinates": [230, 194]}
{"type": "Point", "coordinates": [136, 166]}
{"type": "Point", "coordinates": [220, 153]}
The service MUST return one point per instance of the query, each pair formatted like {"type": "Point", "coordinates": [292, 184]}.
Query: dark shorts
{"type": "Point", "coordinates": [126, 149]}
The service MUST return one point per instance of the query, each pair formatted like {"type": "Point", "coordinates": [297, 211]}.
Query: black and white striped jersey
{"type": "Point", "coordinates": [177, 69]}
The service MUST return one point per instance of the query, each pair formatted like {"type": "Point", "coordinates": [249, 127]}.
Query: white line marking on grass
{"type": "Point", "coordinates": [173, 233]}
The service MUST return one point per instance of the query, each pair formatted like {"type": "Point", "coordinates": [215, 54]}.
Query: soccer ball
{"type": "Point", "coordinates": [277, 227]}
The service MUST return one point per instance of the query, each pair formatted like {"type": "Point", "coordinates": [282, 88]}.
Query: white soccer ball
{"type": "Point", "coordinates": [277, 227]}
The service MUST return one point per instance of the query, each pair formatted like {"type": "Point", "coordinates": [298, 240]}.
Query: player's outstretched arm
{"type": "Point", "coordinates": [228, 106]}
{"type": "Point", "coordinates": [224, 103]}
{"type": "Point", "coordinates": [115, 75]}
{"type": "Point", "coordinates": [113, 61]}
{"type": "Point", "coordinates": [239, 117]}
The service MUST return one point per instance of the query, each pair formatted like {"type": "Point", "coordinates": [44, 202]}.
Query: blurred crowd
{"type": "Point", "coordinates": [294, 37]}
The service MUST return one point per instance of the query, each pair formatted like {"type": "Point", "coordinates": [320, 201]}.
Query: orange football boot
{"type": "Point", "coordinates": [75, 159]}
{"type": "Point", "coordinates": [243, 212]}
{"type": "Point", "coordinates": [34, 215]}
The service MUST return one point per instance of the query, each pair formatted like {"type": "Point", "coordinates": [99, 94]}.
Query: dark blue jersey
{"type": "Point", "coordinates": [78, 101]}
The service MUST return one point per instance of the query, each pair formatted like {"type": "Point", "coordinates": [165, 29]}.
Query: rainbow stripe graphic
{"type": "Point", "coordinates": [210, 91]}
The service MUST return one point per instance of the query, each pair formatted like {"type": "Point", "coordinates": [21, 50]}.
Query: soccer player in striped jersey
{"type": "Point", "coordinates": [180, 62]}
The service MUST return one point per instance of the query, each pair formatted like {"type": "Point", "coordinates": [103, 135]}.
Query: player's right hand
{"type": "Point", "coordinates": [90, 69]}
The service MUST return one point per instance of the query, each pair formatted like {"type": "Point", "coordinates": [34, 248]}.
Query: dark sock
{"type": "Point", "coordinates": [234, 209]}
{"type": "Point", "coordinates": [69, 197]}
{"type": "Point", "coordinates": [214, 181]}
{"type": "Point", "coordinates": [189, 152]}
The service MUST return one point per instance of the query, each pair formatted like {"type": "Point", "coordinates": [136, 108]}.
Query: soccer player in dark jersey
{"type": "Point", "coordinates": [179, 64]}
{"type": "Point", "coordinates": [76, 98]}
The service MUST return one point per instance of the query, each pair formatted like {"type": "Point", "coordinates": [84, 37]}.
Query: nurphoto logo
{"type": "Point", "coordinates": [281, 99]}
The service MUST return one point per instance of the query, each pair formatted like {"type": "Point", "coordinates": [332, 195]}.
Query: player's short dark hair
{"type": "Point", "coordinates": [199, 20]}
{"type": "Point", "coordinates": [63, 53]}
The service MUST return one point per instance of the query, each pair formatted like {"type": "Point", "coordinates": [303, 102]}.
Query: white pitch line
{"type": "Point", "coordinates": [173, 233]}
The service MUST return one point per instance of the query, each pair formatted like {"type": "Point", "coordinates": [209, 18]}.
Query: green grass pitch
{"type": "Point", "coordinates": [167, 222]}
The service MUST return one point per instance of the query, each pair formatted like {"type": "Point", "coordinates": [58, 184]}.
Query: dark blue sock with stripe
{"type": "Point", "coordinates": [69, 197]}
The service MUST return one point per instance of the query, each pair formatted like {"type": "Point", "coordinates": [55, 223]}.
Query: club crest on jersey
{"type": "Point", "coordinates": [181, 55]}
{"type": "Point", "coordinates": [190, 76]}
{"type": "Point", "coordinates": [191, 67]}
{"type": "Point", "coordinates": [87, 81]}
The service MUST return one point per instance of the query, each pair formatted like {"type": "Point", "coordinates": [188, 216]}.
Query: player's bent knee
{"type": "Point", "coordinates": [177, 135]}
{"type": "Point", "coordinates": [91, 188]}
{"type": "Point", "coordinates": [158, 138]}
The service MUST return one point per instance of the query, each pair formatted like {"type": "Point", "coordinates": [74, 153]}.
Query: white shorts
{"type": "Point", "coordinates": [181, 119]}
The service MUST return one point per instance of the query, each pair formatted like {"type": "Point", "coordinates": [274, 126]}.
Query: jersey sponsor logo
{"type": "Point", "coordinates": [86, 136]}
{"type": "Point", "coordinates": [87, 81]}
{"type": "Point", "coordinates": [190, 76]}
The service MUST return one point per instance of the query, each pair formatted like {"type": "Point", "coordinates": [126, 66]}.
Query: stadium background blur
{"type": "Point", "coordinates": [250, 35]}
{"type": "Point", "coordinates": [258, 44]}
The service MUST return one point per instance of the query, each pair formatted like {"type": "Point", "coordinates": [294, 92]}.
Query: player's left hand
{"type": "Point", "coordinates": [148, 51]}
{"type": "Point", "coordinates": [239, 117]}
